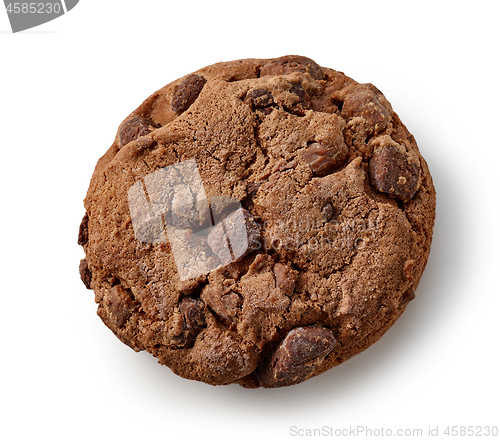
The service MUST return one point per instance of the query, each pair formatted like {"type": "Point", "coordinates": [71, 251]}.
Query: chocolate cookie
{"type": "Point", "coordinates": [257, 222]}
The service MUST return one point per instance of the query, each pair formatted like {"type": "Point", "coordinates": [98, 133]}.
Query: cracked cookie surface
{"type": "Point", "coordinates": [257, 222]}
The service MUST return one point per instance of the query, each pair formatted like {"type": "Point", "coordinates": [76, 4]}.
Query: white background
{"type": "Point", "coordinates": [64, 88]}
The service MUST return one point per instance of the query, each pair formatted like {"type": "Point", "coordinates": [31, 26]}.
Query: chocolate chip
{"type": "Point", "coordinates": [296, 357]}
{"type": "Point", "coordinates": [323, 160]}
{"type": "Point", "coordinates": [298, 90]}
{"type": "Point", "coordinates": [135, 127]}
{"type": "Point", "coordinates": [192, 313]}
{"type": "Point", "coordinates": [236, 236]}
{"type": "Point", "coordinates": [85, 273]}
{"type": "Point", "coordinates": [299, 108]}
{"type": "Point", "coordinates": [407, 296]}
{"type": "Point", "coordinates": [260, 98]}
{"type": "Point", "coordinates": [364, 103]}
{"type": "Point", "coordinates": [292, 63]}
{"type": "Point", "coordinates": [83, 232]}
{"type": "Point", "coordinates": [187, 92]}
{"type": "Point", "coordinates": [285, 278]}
{"type": "Point", "coordinates": [120, 305]}
{"type": "Point", "coordinates": [185, 327]}
{"type": "Point", "coordinates": [392, 172]}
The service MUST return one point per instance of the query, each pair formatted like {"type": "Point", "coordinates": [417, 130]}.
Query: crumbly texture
{"type": "Point", "coordinates": [337, 204]}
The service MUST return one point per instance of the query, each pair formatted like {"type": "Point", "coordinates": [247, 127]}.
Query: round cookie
{"type": "Point", "coordinates": [257, 222]}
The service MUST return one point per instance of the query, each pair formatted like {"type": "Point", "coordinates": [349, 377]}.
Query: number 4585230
{"type": "Point", "coordinates": [33, 8]}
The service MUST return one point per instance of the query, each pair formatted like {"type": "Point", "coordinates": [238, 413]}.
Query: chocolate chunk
{"type": "Point", "coordinates": [392, 172]}
{"type": "Point", "coordinates": [187, 92]}
{"type": "Point", "coordinates": [407, 296]}
{"type": "Point", "coordinates": [135, 127]}
{"type": "Point", "coordinates": [323, 160]}
{"type": "Point", "coordinates": [260, 98]}
{"type": "Point", "coordinates": [304, 104]}
{"type": "Point", "coordinates": [83, 233]}
{"type": "Point", "coordinates": [186, 326]}
{"type": "Point", "coordinates": [192, 313]}
{"type": "Point", "coordinates": [120, 305]}
{"type": "Point", "coordinates": [285, 278]}
{"type": "Point", "coordinates": [85, 273]}
{"type": "Point", "coordinates": [235, 237]}
{"type": "Point", "coordinates": [301, 106]}
{"type": "Point", "coordinates": [296, 357]}
{"type": "Point", "coordinates": [298, 90]}
{"type": "Point", "coordinates": [292, 63]}
{"type": "Point", "coordinates": [363, 102]}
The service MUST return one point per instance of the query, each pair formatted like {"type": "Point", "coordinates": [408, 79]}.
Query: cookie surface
{"type": "Point", "coordinates": [257, 222]}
